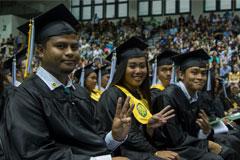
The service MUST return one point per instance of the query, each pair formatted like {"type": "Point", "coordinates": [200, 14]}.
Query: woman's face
{"type": "Point", "coordinates": [91, 81]}
{"type": "Point", "coordinates": [136, 71]}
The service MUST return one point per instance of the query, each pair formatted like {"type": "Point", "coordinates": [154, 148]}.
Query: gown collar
{"type": "Point", "coordinates": [51, 81]}
{"type": "Point", "coordinates": [192, 99]}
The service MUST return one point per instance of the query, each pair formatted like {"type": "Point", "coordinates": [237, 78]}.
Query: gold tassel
{"type": "Point", "coordinates": [26, 74]}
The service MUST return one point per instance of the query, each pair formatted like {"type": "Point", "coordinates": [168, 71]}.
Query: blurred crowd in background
{"type": "Point", "coordinates": [218, 35]}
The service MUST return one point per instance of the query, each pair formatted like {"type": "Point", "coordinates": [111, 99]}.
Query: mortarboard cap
{"type": "Point", "coordinates": [19, 56]}
{"type": "Point", "coordinates": [87, 70]}
{"type": "Point", "coordinates": [105, 69]}
{"type": "Point", "coordinates": [55, 22]}
{"type": "Point", "coordinates": [165, 57]}
{"type": "Point", "coordinates": [197, 58]}
{"type": "Point", "coordinates": [133, 47]}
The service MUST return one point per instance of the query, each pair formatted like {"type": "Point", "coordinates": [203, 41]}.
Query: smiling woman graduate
{"type": "Point", "coordinates": [131, 79]}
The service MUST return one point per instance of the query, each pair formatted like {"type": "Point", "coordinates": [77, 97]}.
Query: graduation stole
{"type": "Point", "coordinates": [234, 103]}
{"type": "Point", "coordinates": [96, 94]}
{"type": "Point", "coordinates": [141, 107]}
{"type": "Point", "coordinates": [158, 86]}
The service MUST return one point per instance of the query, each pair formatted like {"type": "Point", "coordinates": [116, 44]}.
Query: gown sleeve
{"type": "Point", "coordinates": [106, 108]}
{"type": "Point", "coordinates": [136, 142]}
{"type": "Point", "coordinates": [173, 134]}
{"type": "Point", "coordinates": [28, 130]}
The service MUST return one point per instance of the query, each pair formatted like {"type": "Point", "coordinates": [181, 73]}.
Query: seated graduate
{"type": "Point", "coordinates": [13, 69]}
{"type": "Point", "coordinates": [225, 131]}
{"type": "Point", "coordinates": [2, 99]}
{"type": "Point", "coordinates": [187, 132]}
{"type": "Point", "coordinates": [105, 75]}
{"type": "Point", "coordinates": [131, 79]}
{"type": "Point", "coordinates": [164, 74]}
{"type": "Point", "coordinates": [88, 79]}
{"type": "Point", "coordinates": [47, 117]}
{"type": "Point", "coordinates": [9, 73]}
{"type": "Point", "coordinates": [232, 100]}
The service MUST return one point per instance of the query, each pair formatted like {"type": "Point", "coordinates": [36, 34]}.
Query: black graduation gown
{"type": "Point", "coordinates": [136, 147]}
{"type": "Point", "coordinates": [155, 93]}
{"type": "Point", "coordinates": [4, 95]}
{"type": "Point", "coordinates": [1, 137]}
{"type": "Point", "coordinates": [218, 106]}
{"type": "Point", "coordinates": [44, 124]}
{"type": "Point", "coordinates": [180, 133]}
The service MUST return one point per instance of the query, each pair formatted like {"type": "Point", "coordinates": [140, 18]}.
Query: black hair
{"type": "Point", "coordinates": [119, 77]}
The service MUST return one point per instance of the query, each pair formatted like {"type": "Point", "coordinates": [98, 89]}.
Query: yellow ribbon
{"type": "Point", "coordinates": [141, 107]}
{"type": "Point", "coordinates": [96, 94]}
{"type": "Point", "coordinates": [158, 86]}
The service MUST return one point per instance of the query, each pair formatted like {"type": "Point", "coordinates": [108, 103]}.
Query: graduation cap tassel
{"type": "Point", "coordinates": [209, 85]}
{"type": "Point", "coordinates": [14, 72]}
{"type": "Point", "coordinates": [173, 75]}
{"type": "Point", "coordinates": [113, 67]}
{"type": "Point", "coordinates": [100, 75]}
{"type": "Point", "coordinates": [30, 49]}
{"type": "Point", "coordinates": [154, 77]}
{"type": "Point", "coordinates": [82, 76]}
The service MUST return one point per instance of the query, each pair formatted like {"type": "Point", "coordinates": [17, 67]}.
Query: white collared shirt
{"type": "Point", "coordinates": [185, 91]}
{"type": "Point", "coordinates": [50, 80]}
{"type": "Point", "coordinates": [17, 83]}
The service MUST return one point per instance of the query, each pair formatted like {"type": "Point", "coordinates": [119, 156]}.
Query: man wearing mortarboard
{"type": "Point", "coordinates": [12, 68]}
{"type": "Point", "coordinates": [48, 117]}
{"type": "Point", "coordinates": [105, 75]}
{"type": "Point", "coordinates": [188, 133]}
{"type": "Point", "coordinates": [165, 72]}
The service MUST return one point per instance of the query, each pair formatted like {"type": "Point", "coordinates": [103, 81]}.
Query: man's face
{"type": "Point", "coordinates": [194, 78]}
{"type": "Point", "coordinates": [60, 54]}
{"type": "Point", "coordinates": [164, 74]}
{"type": "Point", "coordinates": [19, 75]}
{"type": "Point", "coordinates": [234, 87]}
{"type": "Point", "coordinates": [105, 79]}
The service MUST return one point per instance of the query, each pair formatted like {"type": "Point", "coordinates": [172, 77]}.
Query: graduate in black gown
{"type": "Point", "coordinates": [87, 78]}
{"type": "Point", "coordinates": [105, 75]}
{"type": "Point", "coordinates": [164, 74]}
{"type": "Point", "coordinates": [232, 101]}
{"type": "Point", "coordinates": [187, 133]}
{"type": "Point", "coordinates": [47, 117]}
{"type": "Point", "coordinates": [211, 102]}
{"type": "Point", "coordinates": [131, 79]}
{"type": "Point", "coordinates": [1, 109]}
{"type": "Point", "coordinates": [7, 85]}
